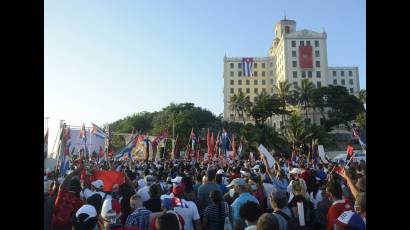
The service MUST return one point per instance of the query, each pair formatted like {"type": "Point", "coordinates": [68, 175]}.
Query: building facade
{"type": "Point", "coordinates": [293, 56]}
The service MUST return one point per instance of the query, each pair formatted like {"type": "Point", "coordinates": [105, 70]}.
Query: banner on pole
{"type": "Point", "coordinates": [322, 153]}
{"type": "Point", "coordinates": [267, 155]}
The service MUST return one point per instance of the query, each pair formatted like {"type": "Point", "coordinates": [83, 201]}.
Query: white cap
{"type": "Point", "coordinates": [295, 171]}
{"type": "Point", "coordinates": [98, 184]}
{"type": "Point", "coordinates": [220, 171]}
{"type": "Point", "coordinates": [87, 209]}
{"type": "Point", "coordinates": [177, 180]}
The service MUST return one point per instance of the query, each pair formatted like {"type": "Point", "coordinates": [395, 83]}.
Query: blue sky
{"type": "Point", "coordinates": [104, 60]}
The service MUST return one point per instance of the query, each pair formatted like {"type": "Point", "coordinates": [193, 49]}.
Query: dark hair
{"type": "Point", "coordinates": [216, 197]}
{"type": "Point", "coordinates": [334, 188]}
{"type": "Point", "coordinates": [154, 191]}
{"type": "Point", "coordinates": [210, 174]}
{"type": "Point", "coordinates": [267, 221]}
{"type": "Point", "coordinates": [96, 201]}
{"type": "Point", "coordinates": [250, 211]}
{"type": "Point", "coordinates": [188, 184]}
{"type": "Point", "coordinates": [263, 169]}
{"type": "Point", "coordinates": [75, 186]}
{"type": "Point", "coordinates": [167, 221]}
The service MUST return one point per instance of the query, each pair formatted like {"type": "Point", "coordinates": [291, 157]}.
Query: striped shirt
{"type": "Point", "coordinates": [216, 218]}
{"type": "Point", "coordinates": [139, 218]}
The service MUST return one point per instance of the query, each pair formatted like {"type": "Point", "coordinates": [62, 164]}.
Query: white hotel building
{"type": "Point", "coordinates": [283, 62]}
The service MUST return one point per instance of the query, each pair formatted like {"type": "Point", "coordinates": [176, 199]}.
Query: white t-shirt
{"type": "Point", "coordinates": [268, 190]}
{"type": "Point", "coordinates": [190, 213]}
{"type": "Point", "coordinates": [144, 193]}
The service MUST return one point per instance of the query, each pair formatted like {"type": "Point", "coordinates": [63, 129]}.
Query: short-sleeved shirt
{"type": "Point", "coordinates": [189, 212]}
{"type": "Point", "coordinates": [216, 217]}
{"type": "Point", "coordinates": [242, 199]}
{"type": "Point", "coordinates": [139, 218]}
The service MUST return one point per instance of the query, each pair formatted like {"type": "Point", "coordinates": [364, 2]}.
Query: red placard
{"type": "Point", "coordinates": [305, 57]}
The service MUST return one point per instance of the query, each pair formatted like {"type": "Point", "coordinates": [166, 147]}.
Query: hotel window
{"type": "Point", "coordinates": [318, 74]}
{"type": "Point", "coordinates": [239, 73]}
{"type": "Point", "coordinates": [255, 90]}
{"type": "Point", "coordinates": [231, 73]}
{"type": "Point", "coordinates": [302, 43]}
{"type": "Point", "coordinates": [317, 53]}
{"type": "Point", "coordinates": [294, 53]}
{"type": "Point", "coordinates": [248, 90]}
{"type": "Point", "coordinates": [351, 81]}
{"type": "Point", "coordinates": [264, 90]}
{"type": "Point", "coordinates": [255, 73]}
{"type": "Point", "coordinates": [271, 73]}
{"type": "Point", "coordinates": [239, 82]}
{"type": "Point", "coordinates": [255, 65]}
{"type": "Point", "coordinates": [255, 82]}
{"type": "Point", "coordinates": [263, 65]}
{"type": "Point", "coordinates": [343, 81]}
{"type": "Point", "coordinates": [351, 90]}
{"type": "Point", "coordinates": [232, 65]}
{"type": "Point", "coordinates": [232, 90]}
{"type": "Point", "coordinates": [239, 65]}
{"type": "Point", "coordinates": [319, 84]}
{"type": "Point", "coordinates": [316, 43]}
{"type": "Point", "coordinates": [309, 74]}
{"type": "Point", "coordinates": [334, 82]}
{"type": "Point", "coordinates": [247, 82]}
{"type": "Point", "coordinates": [308, 43]}
{"type": "Point", "coordinates": [263, 73]}
{"type": "Point", "coordinates": [263, 82]}
{"type": "Point", "coordinates": [317, 63]}
{"type": "Point", "coordinates": [232, 83]}
{"type": "Point", "coordinates": [334, 73]}
{"type": "Point", "coordinates": [350, 73]}
{"type": "Point", "coordinates": [271, 81]}
{"type": "Point", "coordinates": [294, 64]}
{"type": "Point", "coordinates": [293, 43]}
{"type": "Point", "coordinates": [303, 74]}
{"type": "Point", "coordinates": [240, 90]}
{"type": "Point", "coordinates": [342, 73]}
{"type": "Point", "coordinates": [295, 74]}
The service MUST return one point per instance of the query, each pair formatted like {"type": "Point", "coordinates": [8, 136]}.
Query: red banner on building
{"type": "Point", "coordinates": [305, 57]}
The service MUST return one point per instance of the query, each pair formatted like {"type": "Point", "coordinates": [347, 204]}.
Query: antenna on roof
{"type": "Point", "coordinates": [284, 14]}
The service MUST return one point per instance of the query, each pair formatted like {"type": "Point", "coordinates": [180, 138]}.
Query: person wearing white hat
{"type": "Point", "coordinates": [97, 186]}
{"type": "Point", "coordinates": [295, 176]}
{"type": "Point", "coordinates": [85, 218]}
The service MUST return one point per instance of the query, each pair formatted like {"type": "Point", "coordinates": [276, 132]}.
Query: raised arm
{"type": "Point", "coordinates": [350, 184]}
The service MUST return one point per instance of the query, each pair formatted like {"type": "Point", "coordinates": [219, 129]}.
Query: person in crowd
{"type": "Point", "coordinates": [360, 205]}
{"type": "Point", "coordinates": [222, 186]}
{"type": "Point", "coordinates": [244, 195]}
{"type": "Point", "coordinates": [168, 204]}
{"type": "Point", "coordinates": [67, 201]}
{"type": "Point", "coordinates": [279, 202]}
{"type": "Point", "coordinates": [187, 209]}
{"type": "Point", "coordinates": [300, 196]}
{"type": "Point", "coordinates": [294, 177]}
{"type": "Point", "coordinates": [258, 191]}
{"type": "Point", "coordinates": [250, 212]}
{"type": "Point", "coordinates": [349, 220]}
{"type": "Point", "coordinates": [154, 202]}
{"type": "Point", "coordinates": [85, 218]}
{"type": "Point", "coordinates": [97, 202]}
{"type": "Point", "coordinates": [140, 215]}
{"type": "Point", "coordinates": [167, 221]}
{"type": "Point", "coordinates": [334, 191]}
{"type": "Point", "coordinates": [97, 186]}
{"type": "Point", "coordinates": [205, 190]}
{"type": "Point", "coordinates": [267, 221]}
{"type": "Point", "coordinates": [49, 204]}
{"type": "Point", "coordinates": [216, 213]}
{"type": "Point", "coordinates": [144, 191]}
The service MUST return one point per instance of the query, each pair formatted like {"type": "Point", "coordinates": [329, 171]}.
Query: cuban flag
{"type": "Point", "coordinates": [247, 66]}
{"type": "Point", "coordinates": [356, 134]}
{"type": "Point", "coordinates": [126, 151]}
{"type": "Point", "coordinates": [97, 131]}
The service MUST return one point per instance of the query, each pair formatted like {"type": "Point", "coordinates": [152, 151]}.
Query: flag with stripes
{"type": "Point", "coordinates": [247, 66]}
{"type": "Point", "coordinates": [83, 134]}
{"type": "Point", "coordinates": [97, 131]}
{"type": "Point", "coordinates": [356, 134]}
{"type": "Point", "coordinates": [126, 151]}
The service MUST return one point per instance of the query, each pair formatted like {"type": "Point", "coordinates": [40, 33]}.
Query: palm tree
{"type": "Point", "coordinates": [284, 93]}
{"type": "Point", "coordinates": [361, 94]}
{"type": "Point", "coordinates": [295, 130]}
{"type": "Point", "coordinates": [240, 104]}
{"type": "Point", "coordinates": [304, 94]}
{"type": "Point", "coordinates": [233, 104]}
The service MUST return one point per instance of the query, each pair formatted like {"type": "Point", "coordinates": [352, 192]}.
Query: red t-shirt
{"type": "Point", "coordinates": [337, 208]}
{"type": "Point", "coordinates": [306, 175]}
{"type": "Point", "coordinates": [64, 199]}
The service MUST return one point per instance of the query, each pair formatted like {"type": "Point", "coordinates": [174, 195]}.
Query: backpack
{"type": "Point", "coordinates": [64, 212]}
{"type": "Point", "coordinates": [293, 222]}
{"type": "Point", "coordinates": [227, 223]}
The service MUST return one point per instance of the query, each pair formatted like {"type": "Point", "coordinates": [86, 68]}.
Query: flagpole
{"type": "Point", "coordinates": [107, 142]}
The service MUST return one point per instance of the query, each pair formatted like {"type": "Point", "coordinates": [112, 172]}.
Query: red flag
{"type": "Point", "coordinates": [212, 145]}
{"type": "Point", "coordinates": [197, 150]}
{"type": "Point", "coordinates": [109, 178]}
{"type": "Point", "coordinates": [208, 142]}
{"type": "Point", "coordinates": [305, 57]}
{"type": "Point", "coordinates": [349, 150]}
{"type": "Point", "coordinates": [233, 146]}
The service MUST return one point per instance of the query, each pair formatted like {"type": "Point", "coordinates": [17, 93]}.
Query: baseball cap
{"type": "Point", "coordinates": [87, 209]}
{"type": "Point", "coordinates": [99, 184]}
{"type": "Point", "coordinates": [220, 171]}
{"type": "Point", "coordinates": [177, 180]}
{"type": "Point", "coordinates": [237, 181]}
{"type": "Point", "coordinates": [295, 171]}
{"type": "Point", "coordinates": [351, 219]}
{"type": "Point", "coordinates": [178, 190]}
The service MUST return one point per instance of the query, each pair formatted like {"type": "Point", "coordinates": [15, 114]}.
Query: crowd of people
{"type": "Point", "coordinates": [209, 195]}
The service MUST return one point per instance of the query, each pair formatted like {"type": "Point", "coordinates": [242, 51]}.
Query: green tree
{"type": "Point", "coordinates": [304, 94]}
{"type": "Point", "coordinates": [240, 104]}
{"type": "Point", "coordinates": [361, 95]}
{"type": "Point", "coordinates": [295, 131]}
{"type": "Point", "coordinates": [264, 107]}
{"type": "Point", "coordinates": [284, 94]}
